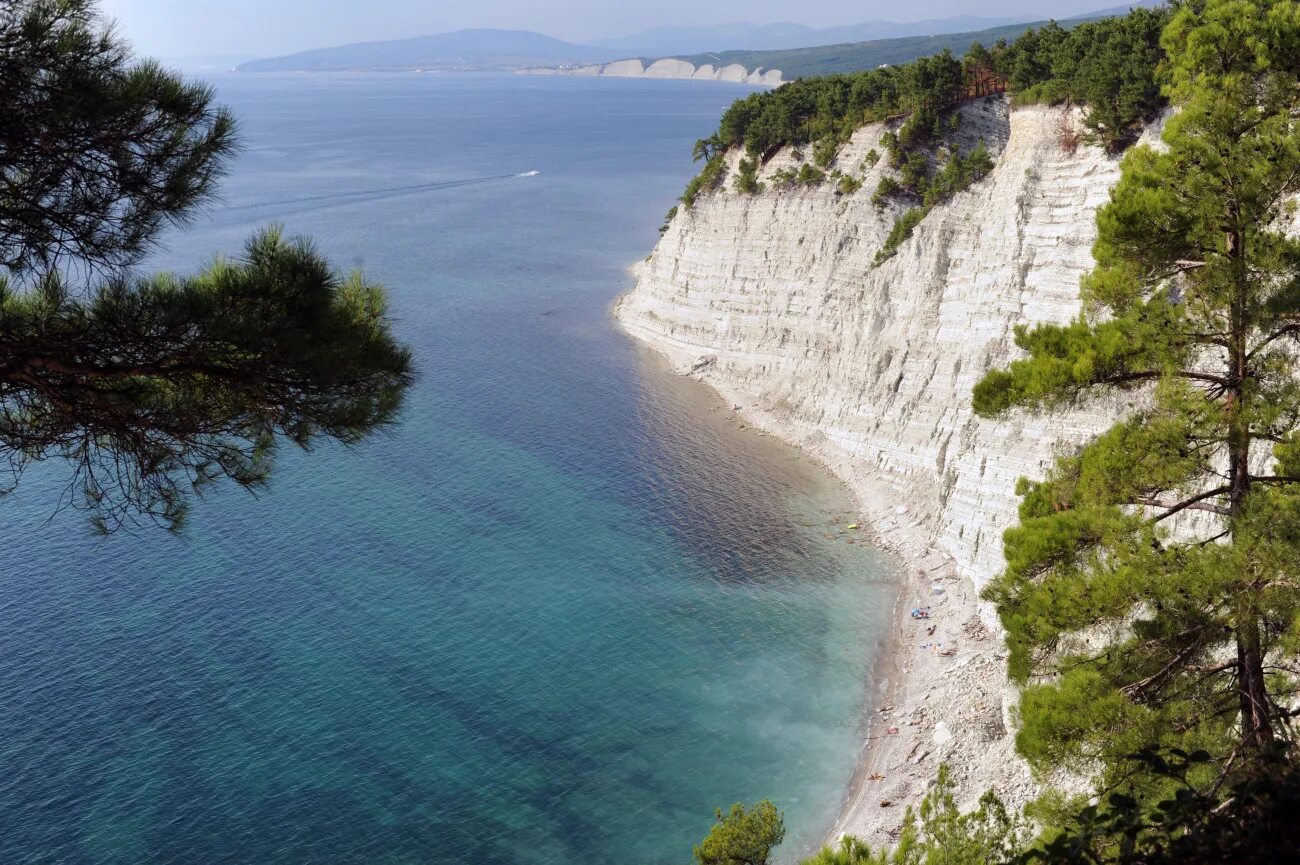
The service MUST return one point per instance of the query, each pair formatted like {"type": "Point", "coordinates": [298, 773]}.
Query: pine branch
{"type": "Point", "coordinates": [1147, 375]}
{"type": "Point", "coordinates": [1138, 688]}
{"type": "Point", "coordinates": [1196, 503]}
{"type": "Point", "coordinates": [1289, 330]}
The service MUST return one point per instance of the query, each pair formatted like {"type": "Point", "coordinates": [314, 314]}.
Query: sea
{"type": "Point", "coordinates": [562, 612]}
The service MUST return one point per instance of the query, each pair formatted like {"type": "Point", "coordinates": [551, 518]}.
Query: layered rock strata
{"type": "Point", "coordinates": [777, 301]}
{"type": "Point", "coordinates": [671, 68]}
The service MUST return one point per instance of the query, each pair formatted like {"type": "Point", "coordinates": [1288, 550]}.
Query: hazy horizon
{"type": "Point", "coordinates": [211, 28]}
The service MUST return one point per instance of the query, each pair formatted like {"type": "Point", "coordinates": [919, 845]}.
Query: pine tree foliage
{"type": "Point", "coordinates": [97, 152]}
{"type": "Point", "coordinates": [1108, 66]}
{"type": "Point", "coordinates": [742, 837]}
{"type": "Point", "coordinates": [158, 386]}
{"type": "Point", "coordinates": [938, 832]}
{"type": "Point", "coordinates": [1152, 588]}
{"type": "Point", "coordinates": [1251, 823]}
{"type": "Point", "coordinates": [154, 387]}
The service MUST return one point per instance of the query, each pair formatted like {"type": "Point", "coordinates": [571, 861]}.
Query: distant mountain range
{"type": "Point", "coordinates": [462, 50]}
{"type": "Point", "coordinates": [854, 56]}
{"type": "Point", "coordinates": [792, 48]}
{"type": "Point", "coordinates": [205, 63]}
{"type": "Point", "coordinates": [664, 41]}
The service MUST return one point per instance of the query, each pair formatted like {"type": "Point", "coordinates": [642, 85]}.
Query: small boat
{"type": "Point", "coordinates": [528, 174]}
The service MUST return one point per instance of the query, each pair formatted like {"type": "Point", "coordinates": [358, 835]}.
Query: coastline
{"type": "Point", "coordinates": [944, 693]}
{"type": "Point", "coordinates": [667, 68]}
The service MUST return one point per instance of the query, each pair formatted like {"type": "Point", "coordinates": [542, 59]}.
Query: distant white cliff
{"type": "Point", "coordinates": [669, 68]}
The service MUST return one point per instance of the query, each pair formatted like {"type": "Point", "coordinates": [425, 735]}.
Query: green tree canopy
{"type": "Point", "coordinates": [742, 837]}
{"type": "Point", "coordinates": [1253, 823]}
{"type": "Point", "coordinates": [97, 152]}
{"type": "Point", "coordinates": [938, 832]}
{"type": "Point", "coordinates": [1108, 66]}
{"type": "Point", "coordinates": [1130, 623]}
{"type": "Point", "coordinates": [154, 387]}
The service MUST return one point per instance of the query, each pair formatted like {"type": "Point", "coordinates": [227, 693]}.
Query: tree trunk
{"type": "Point", "coordinates": [1256, 723]}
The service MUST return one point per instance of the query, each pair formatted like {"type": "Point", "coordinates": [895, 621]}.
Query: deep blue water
{"type": "Point", "coordinates": [561, 613]}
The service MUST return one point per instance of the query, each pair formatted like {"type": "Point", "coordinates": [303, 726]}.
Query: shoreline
{"type": "Point", "coordinates": [666, 68]}
{"type": "Point", "coordinates": [935, 715]}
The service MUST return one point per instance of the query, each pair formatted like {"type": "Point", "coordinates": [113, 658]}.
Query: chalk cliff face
{"type": "Point", "coordinates": [774, 300]}
{"type": "Point", "coordinates": [670, 68]}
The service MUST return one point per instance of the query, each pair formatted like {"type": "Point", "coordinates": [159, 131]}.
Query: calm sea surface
{"type": "Point", "coordinates": [558, 616]}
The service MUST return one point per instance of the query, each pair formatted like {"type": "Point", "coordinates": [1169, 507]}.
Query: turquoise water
{"type": "Point", "coordinates": [561, 613]}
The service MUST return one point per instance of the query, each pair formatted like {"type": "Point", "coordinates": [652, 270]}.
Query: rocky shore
{"type": "Point", "coordinates": [941, 692]}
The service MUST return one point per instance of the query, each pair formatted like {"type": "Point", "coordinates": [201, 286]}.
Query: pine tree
{"type": "Point", "coordinates": [1152, 588]}
{"type": "Point", "coordinates": [154, 387]}
{"type": "Point", "coordinates": [741, 837]}
{"type": "Point", "coordinates": [938, 832]}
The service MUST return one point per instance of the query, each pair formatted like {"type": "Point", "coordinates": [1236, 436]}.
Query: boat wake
{"type": "Point", "coordinates": [362, 195]}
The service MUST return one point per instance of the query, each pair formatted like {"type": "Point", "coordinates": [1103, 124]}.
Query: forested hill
{"type": "Point", "coordinates": [688, 39]}
{"type": "Point", "coordinates": [1109, 66]}
{"type": "Point", "coordinates": [857, 56]}
{"type": "Point", "coordinates": [464, 49]}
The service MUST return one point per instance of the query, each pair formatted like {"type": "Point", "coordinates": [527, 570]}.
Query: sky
{"type": "Point", "coordinates": [199, 28]}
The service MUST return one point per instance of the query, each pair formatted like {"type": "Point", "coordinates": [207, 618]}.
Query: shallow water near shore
{"type": "Point", "coordinates": [562, 612]}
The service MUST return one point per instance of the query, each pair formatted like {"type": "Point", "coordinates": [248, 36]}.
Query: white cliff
{"type": "Point", "coordinates": [669, 68]}
{"type": "Point", "coordinates": [773, 300]}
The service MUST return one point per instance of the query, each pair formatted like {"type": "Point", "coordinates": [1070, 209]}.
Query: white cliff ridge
{"type": "Point", "coordinates": [669, 68]}
{"type": "Point", "coordinates": [773, 300]}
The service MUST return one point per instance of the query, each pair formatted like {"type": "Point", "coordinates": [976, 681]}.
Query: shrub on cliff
{"type": "Point", "coordinates": [958, 173]}
{"type": "Point", "coordinates": [1253, 823]}
{"type": "Point", "coordinates": [914, 171]}
{"type": "Point", "coordinates": [901, 230]}
{"type": "Point", "coordinates": [747, 182]}
{"type": "Point", "coordinates": [707, 180]}
{"type": "Point", "coordinates": [824, 152]}
{"type": "Point", "coordinates": [785, 178]}
{"type": "Point", "coordinates": [668, 219]}
{"type": "Point", "coordinates": [888, 188]}
{"type": "Point", "coordinates": [809, 176]}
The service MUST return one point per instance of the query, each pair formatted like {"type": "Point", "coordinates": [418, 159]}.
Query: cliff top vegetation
{"type": "Point", "coordinates": [1108, 66]}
